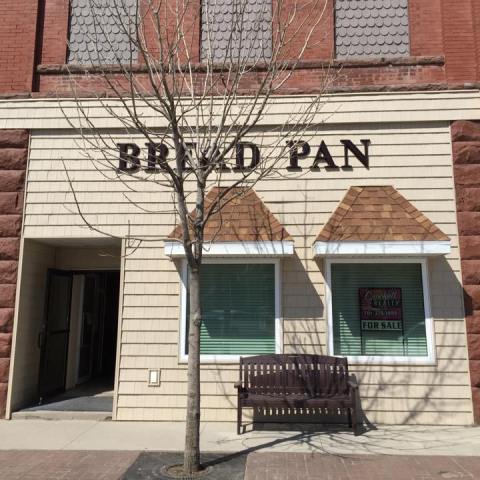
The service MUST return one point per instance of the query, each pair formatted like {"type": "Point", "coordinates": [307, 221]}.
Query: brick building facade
{"type": "Point", "coordinates": [434, 50]}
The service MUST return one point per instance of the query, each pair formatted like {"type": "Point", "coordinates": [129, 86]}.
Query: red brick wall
{"type": "Point", "coordinates": [459, 40]}
{"type": "Point", "coordinates": [425, 19]}
{"type": "Point", "coordinates": [466, 160]}
{"type": "Point", "coordinates": [18, 20]}
{"type": "Point", "coordinates": [13, 158]}
{"type": "Point", "coordinates": [437, 27]}
{"type": "Point", "coordinates": [55, 31]}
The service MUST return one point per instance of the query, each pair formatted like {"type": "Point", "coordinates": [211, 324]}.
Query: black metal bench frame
{"type": "Point", "coordinates": [296, 381]}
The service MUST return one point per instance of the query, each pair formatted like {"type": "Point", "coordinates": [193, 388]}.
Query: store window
{"type": "Point", "coordinates": [236, 29]}
{"type": "Point", "coordinates": [239, 309]}
{"type": "Point", "coordinates": [380, 310]}
{"type": "Point", "coordinates": [371, 28]}
{"type": "Point", "coordinates": [100, 32]}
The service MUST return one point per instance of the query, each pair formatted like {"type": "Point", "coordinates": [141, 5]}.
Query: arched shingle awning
{"type": "Point", "coordinates": [239, 225]}
{"type": "Point", "coordinates": [379, 221]}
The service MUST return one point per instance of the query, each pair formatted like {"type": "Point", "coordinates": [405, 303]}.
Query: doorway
{"type": "Point", "coordinates": [78, 340]}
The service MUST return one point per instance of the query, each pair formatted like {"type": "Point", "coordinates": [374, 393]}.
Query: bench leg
{"type": "Point", "coordinates": [239, 419]}
{"type": "Point", "coordinates": [349, 415]}
{"type": "Point", "coordinates": [354, 421]}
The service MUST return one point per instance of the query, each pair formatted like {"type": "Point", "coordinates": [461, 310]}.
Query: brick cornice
{"type": "Point", "coordinates": [62, 69]}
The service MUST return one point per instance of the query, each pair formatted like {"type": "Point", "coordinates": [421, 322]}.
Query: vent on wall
{"type": "Point", "coordinates": [371, 28]}
{"type": "Point", "coordinates": [100, 30]}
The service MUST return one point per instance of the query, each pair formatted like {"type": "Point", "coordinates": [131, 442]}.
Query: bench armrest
{"type": "Point", "coordinates": [353, 384]}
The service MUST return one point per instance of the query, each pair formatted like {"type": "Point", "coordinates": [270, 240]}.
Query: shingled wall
{"type": "Point", "coordinates": [466, 159]}
{"type": "Point", "coordinates": [13, 160]}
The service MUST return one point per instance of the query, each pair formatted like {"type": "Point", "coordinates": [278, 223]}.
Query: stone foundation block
{"type": "Point", "coordinates": [9, 248]}
{"type": "Point", "coordinates": [471, 272]}
{"type": "Point", "coordinates": [4, 368]}
{"type": "Point", "coordinates": [13, 158]}
{"type": "Point", "coordinates": [469, 247]}
{"type": "Point", "coordinates": [476, 404]}
{"type": "Point", "coordinates": [469, 223]}
{"type": "Point", "coordinates": [474, 346]}
{"type": "Point", "coordinates": [12, 180]}
{"type": "Point", "coordinates": [466, 152]}
{"type": "Point", "coordinates": [475, 373]}
{"type": "Point", "coordinates": [5, 345]}
{"type": "Point", "coordinates": [472, 298]}
{"type": "Point", "coordinates": [6, 320]}
{"type": "Point", "coordinates": [465, 131]}
{"type": "Point", "coordinates": [11, 203]}
{"type": "Point", "coordinates": [13, 138]}
{"type": "Point", "coordinates": [3, 398]}
{"type": "Point", "coordinates": [7, 296]}
{"type": "Point", "coordinates": [10, 225]}
{"type": "Point", "coordinates": [8, 272]}
{"type": "Point", "coordinates": [466, 175]}
{"type": "Point", "coordinates": [473, 323]}
{"type": "Point", "coordinates": [468, 200]}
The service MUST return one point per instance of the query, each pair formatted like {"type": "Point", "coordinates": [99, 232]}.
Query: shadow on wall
{"type": "Point", "coordinates": [391, 394]}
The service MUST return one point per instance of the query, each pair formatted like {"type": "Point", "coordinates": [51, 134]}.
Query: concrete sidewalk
{"type": "Point", "coordinates": [221, 437]}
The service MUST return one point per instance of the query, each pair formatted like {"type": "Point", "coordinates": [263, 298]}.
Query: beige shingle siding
{"type": "Point", "coordinates": [414, 157]}
{"type": "Point", "coordinates": [371, 28]}
{"type": "Point", "coordinates": [100, 30]}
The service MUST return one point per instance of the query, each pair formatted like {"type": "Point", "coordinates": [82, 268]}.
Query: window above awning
{"type": "Point", "coordinates": [379, 221]}
{"type": "Point", "coordinates": [241, 225]}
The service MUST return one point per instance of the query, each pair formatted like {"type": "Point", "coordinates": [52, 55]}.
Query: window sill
{"type": "Point", "coordinates": [59, 69]}
{"type": "Point", "coordinates": [386, 360]}
{"type": "Point", "coordinates": [215, 359]}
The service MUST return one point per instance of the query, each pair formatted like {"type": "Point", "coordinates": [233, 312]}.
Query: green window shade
{"type": "Point", "coordinates": [348, 336]}
{"type": "Point", "coordinates": [238, 309]}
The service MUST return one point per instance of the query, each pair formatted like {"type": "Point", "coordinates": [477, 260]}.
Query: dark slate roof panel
{"type": "Point", "coordinates": [98, 31]}
{"type": "Point", "coordinates": [371, 28]}
{"type": "Point", "coordinates": [236, 28]}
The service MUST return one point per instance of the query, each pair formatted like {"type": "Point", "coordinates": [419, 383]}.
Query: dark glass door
{"type": "Point", "coordinates": [53, 339]}
{"type": "Point", "coordinates": [90, 325]}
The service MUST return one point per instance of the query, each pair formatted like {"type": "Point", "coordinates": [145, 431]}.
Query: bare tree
{"type": "Point", "coordinates": [196, 109]}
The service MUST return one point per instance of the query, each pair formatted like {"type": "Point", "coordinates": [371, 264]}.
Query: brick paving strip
{"type": "Point", "coordinates": [317, 466]}
{"type": "Point", "coordinates": [62, 465]}
{"type": "Point", "coordinates": [133, 465]}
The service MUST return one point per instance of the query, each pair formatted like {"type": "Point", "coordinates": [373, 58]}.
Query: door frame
{"type": "Point", "coordinates": [43, 335]}
{"type": "Point", "coordinates": [71, 273]}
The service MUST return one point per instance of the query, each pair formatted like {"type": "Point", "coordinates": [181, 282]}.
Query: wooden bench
{"type": "Point", "coordinates": [296, 382]}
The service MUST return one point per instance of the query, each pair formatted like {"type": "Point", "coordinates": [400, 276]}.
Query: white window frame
{"type": "Point", "coordinates": [429, 359]}
{"type": "Point", "coordinates": [183, 356]}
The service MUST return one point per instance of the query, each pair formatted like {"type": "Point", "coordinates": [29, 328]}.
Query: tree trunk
{"type": "Point", "coordinates": [191, 459]}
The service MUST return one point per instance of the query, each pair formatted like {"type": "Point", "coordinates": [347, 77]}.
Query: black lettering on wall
{"type": "Point", "coordinates": [363, 157]}
{"type": "Point", "coordinates": [295, 154]}
{"type": "Point", "coordinates": [129, 161]}
{"type": "Point", "coordinates": [157, 155]}
{"type": "Point", "coordinates": [324, 156]}
{"type": "Point", "coordinates": [240, 155]}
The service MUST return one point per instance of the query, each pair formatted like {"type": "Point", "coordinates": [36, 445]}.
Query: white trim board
{"type": "Point", "coordinates": [183, 356]}
{"type": "Point", "coordinates": [238, 249]}
{"type": "Point", "coordinates": [350, 108]}
{"type": "Point", "coordinates": [382, 248]}
{"type": "Point", "coordinates": [429, 359]}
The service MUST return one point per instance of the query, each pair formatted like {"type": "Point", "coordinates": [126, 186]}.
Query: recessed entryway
{"type": "Point", "coordinates": [68, 335]}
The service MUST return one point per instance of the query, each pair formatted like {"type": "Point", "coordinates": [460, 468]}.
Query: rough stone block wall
{"type": "Point", "coordinates": [13, 160]}
{"type": "Point", "coordinates": [466, 160]}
